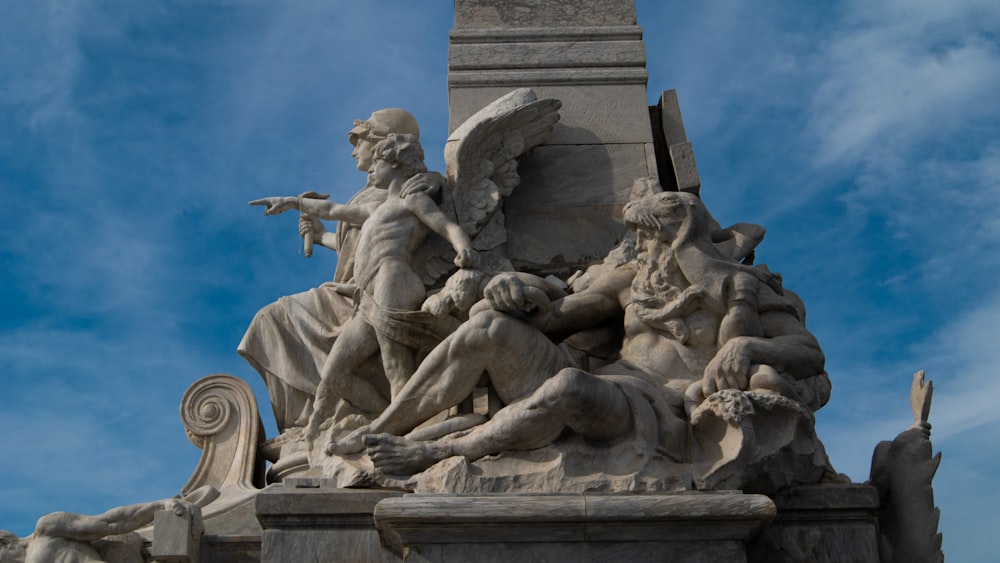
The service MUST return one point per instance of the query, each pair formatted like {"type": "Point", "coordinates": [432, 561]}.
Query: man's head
{"type": "Point", "coordinates": [11, 548]}
{"type": "Point", "coordinates": [367, 132]}
{"type": "Point", "coordinates": [399, 154]}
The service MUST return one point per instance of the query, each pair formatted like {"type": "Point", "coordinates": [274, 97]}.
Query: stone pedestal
{"type": "Point", "coordinates": [821, 523]}
{"type": "Point", "coordinates": [689, 527]}
{"type": "Point", "coordinates": [589, 54]}
{"type": "Point", "coordinates": [310, 522]}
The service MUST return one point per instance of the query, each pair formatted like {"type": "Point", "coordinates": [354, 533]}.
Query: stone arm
{"type": "Point", "coordinates": [318, 208]}
{"type": "Point", "coordinates": [505, 292]}
{"type": "Point", "coordinates": [321, 236]}
{"type": "Point", "coordinates": [786, 346]}
{"type": "Point", "coordinates": [600, 301]}
{"type": "Point", "coordinates": [424, 208]}
{"type": "Point", "coordinates": [120, 520]}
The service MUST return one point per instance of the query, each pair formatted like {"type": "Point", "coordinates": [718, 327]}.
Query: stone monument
{"type": "Point", "coordinates": [550, 351]}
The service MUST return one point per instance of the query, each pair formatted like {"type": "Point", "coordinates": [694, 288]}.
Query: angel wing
{"type": "Point", "coordinates": [481, 155]}
{"type": "Point", "coordinates": [481, 167]}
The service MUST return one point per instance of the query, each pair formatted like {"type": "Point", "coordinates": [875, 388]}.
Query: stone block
{"type": "Point", "coordinates": [573, 527]}
{"type": "Point", "coordinates": [685, 168]}
{"type": "Point", "coordinates": [821, 523]}
{"type": "Point", "coordinates": [670, 118]}
{"type": "Point", "coordinates": [590, 114]}
{"type": "Point", "coordinates": [320, 524]}
{"type": "Point", "coordinates": [177, 537]}
{"type": "Point", "coordinates": [543, 13]}
{"type": "Point", "coordinates": [547, 54]}
{"type": "Point", "coordinates": [567, 211]}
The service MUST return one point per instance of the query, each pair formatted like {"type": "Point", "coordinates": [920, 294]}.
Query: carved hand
{"type": "Point", "coordinates": [729, 368]}
{"type": "Point", "coordinates": [310, 224]}
{"type": "Point", "coordinates": [276, 205]}
{"type": "Point", "coordinates": [427, 183]}
{"type": "Point", "coordinates": [505, 292]}
{"type": "Point", "coordinates": [467, 259]}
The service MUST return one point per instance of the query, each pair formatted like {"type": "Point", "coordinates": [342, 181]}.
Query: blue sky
{"type": "Point", "coordinates": [864, 136]}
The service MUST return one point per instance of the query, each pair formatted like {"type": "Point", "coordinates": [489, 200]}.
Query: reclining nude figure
{"type": "Point", "coordinates": [388, 285]}
{"type": "Point", "coordinates": [66, 537]}
{"type": "Point", "coordinates": [545, 392]}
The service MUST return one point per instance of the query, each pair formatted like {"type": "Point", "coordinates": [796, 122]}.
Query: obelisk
{"type": "Point", "coordinates": [589, 54]}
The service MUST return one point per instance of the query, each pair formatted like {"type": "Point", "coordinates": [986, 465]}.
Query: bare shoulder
{"type": "Point", "coordinates": [614, 281]}
{"type": "Point", "coordinates": [54, 524]}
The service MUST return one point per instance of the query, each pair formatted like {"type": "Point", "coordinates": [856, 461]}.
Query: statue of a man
{"type": "Point", "coordinates": [546, 392]}
{"type": "Point", "coordinates": [66, 537]}
{"type": "Point", "coordinates": [288, 341]}
{"type": "Point", "coordinates": [389, 288]}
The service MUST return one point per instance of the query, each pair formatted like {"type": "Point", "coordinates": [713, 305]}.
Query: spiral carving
{"type": "Point", "coordinates": [220, 415]}
{"type": "Point", "coordinates": [207, 406]}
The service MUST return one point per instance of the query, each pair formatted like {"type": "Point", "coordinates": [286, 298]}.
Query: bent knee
{"type": "Point", "coordinates": [571, 387]}
{"type": "Point", "coordinates": [486, 327]}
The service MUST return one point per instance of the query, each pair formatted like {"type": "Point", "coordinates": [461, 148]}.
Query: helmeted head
{"type": "Point", "coordinates": [367, 132]}
{"type": "Point", "coordinates": [11, 548]}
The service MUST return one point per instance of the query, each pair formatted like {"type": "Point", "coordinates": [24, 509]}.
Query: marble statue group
{"type": "Point", "coordinates": [550, 350]}
{"type": "Point", "coordinates": [436, 362]}
{"type": "Point", "coordinates": [648, 356]}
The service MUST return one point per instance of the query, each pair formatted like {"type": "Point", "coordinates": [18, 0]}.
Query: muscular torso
{"type": "Point", "coordinates": [391, 234]}
{"type": "Point", "coordinates": [368, 198]}
{"type": "Point", "coordinates": [656, 351]}
{"type": "Point", "coordinates": [659, 352]}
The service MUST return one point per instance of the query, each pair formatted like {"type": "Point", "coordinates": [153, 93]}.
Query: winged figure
{"type": "Point", "coordinates": [397, 257]}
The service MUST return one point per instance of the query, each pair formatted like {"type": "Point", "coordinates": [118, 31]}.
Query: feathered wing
{"type": "Point", "coordinates": [481, 160]}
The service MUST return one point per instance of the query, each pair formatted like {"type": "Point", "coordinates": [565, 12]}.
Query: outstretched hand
{"type": "Point", "coordinates": [276, 205]}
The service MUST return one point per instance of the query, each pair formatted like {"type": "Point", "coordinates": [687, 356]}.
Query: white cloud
{"type": "Point", "coordinates": [897, 74]}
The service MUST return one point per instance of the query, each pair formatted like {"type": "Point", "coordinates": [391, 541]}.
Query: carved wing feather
{"type": "Point", "coordinates": [482, 154]}
{"type": "Point", "coordinates": [481, 159]}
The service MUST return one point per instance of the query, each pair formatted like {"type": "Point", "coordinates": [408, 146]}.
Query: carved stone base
{"type": "Point", "coordinates": [303, 521]}
{"type": "Point", "coordinates": [821, 523]}
{"type": "Point", "coordinates": [690, 527]}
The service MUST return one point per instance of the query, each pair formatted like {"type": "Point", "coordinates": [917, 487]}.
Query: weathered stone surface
{"type": "Point", "coordinates": [592, 115]}
{"type": "Point", "coordinates": [571, 214]}
{"type": "Point", "coordinates": [685, 168]}
{"type": "Point", "coordinates": [590, 56]}
{"type": "Point", "coordinates": [821, 523]}
{"type": "Point", "coordinates": [671, 120]}
{"type": "Point", "coordinates": [320, 524]}
{"type": "Point", "coordinates": [756, 442]}
{"type": "Point", "coordinates": [543, 13]}
{"type": "Point", "coordinates": [177, 536]}
{"type": "Point", "coordinates": [674, 153]}
{"type": "Point", "coordinates": [548, 54]}
{"type": "Point", "coordinates": [585, 527]}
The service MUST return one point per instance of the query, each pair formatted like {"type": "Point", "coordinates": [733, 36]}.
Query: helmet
{"type": "Point", "coordinates": [382, 123]}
